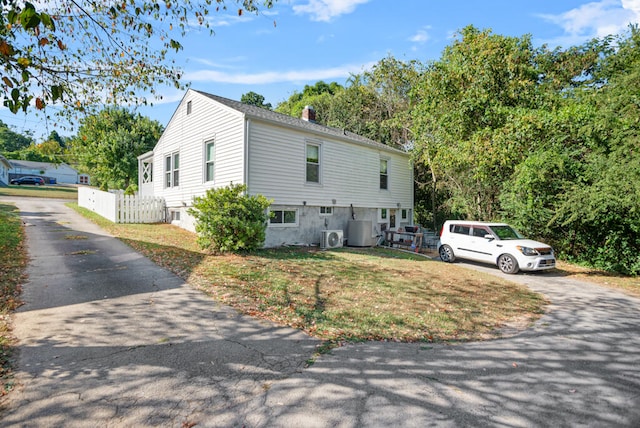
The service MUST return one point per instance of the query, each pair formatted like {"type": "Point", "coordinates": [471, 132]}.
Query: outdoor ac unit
{"type": "Point", "coordinates": [331, 239]}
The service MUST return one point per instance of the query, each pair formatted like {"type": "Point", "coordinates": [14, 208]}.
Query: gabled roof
{"type": "Point", "coordinates": [293, 122]}
{"type": "Point", "coordinates": [36, 165]}
{"type": "Point", "coordinates": [5, 161]}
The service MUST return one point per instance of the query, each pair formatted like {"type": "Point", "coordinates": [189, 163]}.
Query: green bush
{"type": "Point", "coordinates": [229, 220]}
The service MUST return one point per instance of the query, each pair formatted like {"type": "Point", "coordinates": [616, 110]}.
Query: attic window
{"type": "Point", "coordinates": [188, 107]}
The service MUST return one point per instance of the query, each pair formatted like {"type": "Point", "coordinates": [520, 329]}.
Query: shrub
{"type": "Point", "coordinates": [131, 189]}
{"type": "Point", "coordinates": [229, 220]}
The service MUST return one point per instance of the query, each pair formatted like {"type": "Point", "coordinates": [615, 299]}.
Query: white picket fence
{"type": "Point", "coordinates": [120, 208]}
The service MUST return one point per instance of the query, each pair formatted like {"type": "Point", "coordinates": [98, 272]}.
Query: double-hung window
{"type": "Point", "coordinates": [172, 170]}
{"type": "Point", "coordinates": [313, 163]}
{"type": "Point", "coordinates": [209, 160]}
{"type": "Point", "coordinates": [384, 174]}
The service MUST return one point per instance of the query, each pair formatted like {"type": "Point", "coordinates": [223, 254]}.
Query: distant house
{"type": "Point", "coordinates": [318, 177]}
{"type": "Point", "coordinates": [5, 166]}
{"type": "Point", "coordinates": [51, 172]}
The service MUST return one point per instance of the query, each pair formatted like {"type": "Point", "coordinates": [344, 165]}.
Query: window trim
{"type": "Point", "coordinates": [175, 172]}
{"type": "Point", "coordinates": [306, 162]}
{"type": "Point", "coordinates": [168, 178]}
{"type": "Point", "coordinates": [383, 214]}
{"type": "Point", "coordinates": [170, 171]}
{"type": "Point", "coordinates": [328, 211]}
{"type": "Point", "coordinates": [206, 162]}
{"type": "Point", "coordinates": [385, 174]}
{"type": "Point", "coordinates": [283, 210]}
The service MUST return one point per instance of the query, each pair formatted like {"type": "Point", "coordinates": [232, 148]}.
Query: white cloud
{"type": "Point", "coordinates": [268, 77]}
{"type": "Point", "coordinates": [228, 62]}
{"type": "Point", "coordinates": [326, 10]}
{"type": "Point", "coordinates": [596, 19]}
{"type": "Point", "coordinates": [421, 36]}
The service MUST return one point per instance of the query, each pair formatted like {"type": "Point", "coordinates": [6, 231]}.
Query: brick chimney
{"type": "Point", "coordinates": [309, 114]}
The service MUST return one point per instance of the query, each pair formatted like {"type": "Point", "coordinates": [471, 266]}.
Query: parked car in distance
{"type": "Point", "coordinates": [495, 243]}
{"type": "Point", "coordinates": [36, 181]}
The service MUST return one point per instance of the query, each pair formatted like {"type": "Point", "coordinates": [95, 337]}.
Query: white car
{"type": "Point", "coordinates": [495, 243]}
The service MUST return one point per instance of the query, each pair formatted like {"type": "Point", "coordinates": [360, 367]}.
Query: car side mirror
{"type": "Point", "coordinates": [489, 237]}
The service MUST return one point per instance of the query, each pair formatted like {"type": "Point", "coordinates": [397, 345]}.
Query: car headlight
{"type": "Point", "coordinates": [527, 251]}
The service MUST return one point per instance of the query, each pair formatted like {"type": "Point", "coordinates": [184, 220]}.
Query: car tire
{"type": "Point", "coordinates": [508, 264]}
{"type": "Point", "coordinates": [446, 254]}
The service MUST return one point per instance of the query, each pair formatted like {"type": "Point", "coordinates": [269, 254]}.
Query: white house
{"type": "Point", "coordinates": [5, 166]}
{"type": "Point", "coordinates": [59, 172]}
{"type": "Point", "coordinates": [318, 177]}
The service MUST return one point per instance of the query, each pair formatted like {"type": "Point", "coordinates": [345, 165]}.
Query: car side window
{"type": "Point", "coordinates": [458, 228]}
{"type": "Point", "coordinates": [480, 232]}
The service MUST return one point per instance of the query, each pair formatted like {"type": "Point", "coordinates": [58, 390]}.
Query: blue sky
{"type": "Point", "coordinates": [299, 42]}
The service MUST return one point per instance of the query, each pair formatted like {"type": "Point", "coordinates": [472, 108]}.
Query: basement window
{"type": "Point", "coordinates": [326, 210]}
{"type": "Point", "coordinates": [283, 218]}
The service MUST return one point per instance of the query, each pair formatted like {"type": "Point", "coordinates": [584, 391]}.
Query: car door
{"type": "Point", "coordinates": [483, 248]}
{"type": "Point", "coordinates": [459, 240]}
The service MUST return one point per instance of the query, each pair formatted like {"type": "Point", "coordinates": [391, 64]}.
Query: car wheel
{"type": "Point", "coordinates": [446, 254]}
{"type": "Point", "coordinates": [508, 264]}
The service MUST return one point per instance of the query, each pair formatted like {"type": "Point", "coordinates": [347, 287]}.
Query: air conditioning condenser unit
{"type": "Point", "coordinates": [331, 239]}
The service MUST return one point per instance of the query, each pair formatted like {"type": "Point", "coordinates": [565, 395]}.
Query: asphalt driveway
{"type": "Point", "coordinates": [109, 339]}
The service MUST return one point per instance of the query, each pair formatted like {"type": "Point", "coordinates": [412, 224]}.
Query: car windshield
{"type": "Point", "coordinates": [505, 232]}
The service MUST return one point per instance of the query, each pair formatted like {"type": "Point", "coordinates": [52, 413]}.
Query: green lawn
{"type": "Point", "coordinates": [48, 191]}
{"type": "Point", "coordinates": [13, 260]}
{"type": "Point", "coordinates": [346, 294]}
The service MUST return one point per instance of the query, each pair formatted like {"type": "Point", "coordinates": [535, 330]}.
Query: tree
{"type": "Point", "coordinates": [482, 109]}
{"type": "Point", "coordinates": [54, 136]}
{"type": "Point", "coordinates": [230, 220]}
{"type": "Point", "coordinates": [11, 141]}
{"type": "Point", "coordinates": [50, 149]}
{"type": "Point", "coordinates": [601, 209]}
{"type": "Point", "coordinates": [255, 99]}
{"type": "Point", "coordinates": [80, 53]}
{"type": "Point", "coordinates": [108, 145]}
{"type": "Point", "coordinates": [319, 96]}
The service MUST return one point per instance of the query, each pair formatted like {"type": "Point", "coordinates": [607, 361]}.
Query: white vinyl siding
{"type": "Point", "coordinates": [271, 159]}
{"type": "Point", "coordinates": [350, 172]}
{"type": "Point", "coordinates": [208, 121]}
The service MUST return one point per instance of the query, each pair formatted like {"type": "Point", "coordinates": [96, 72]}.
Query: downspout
{"type": "Point", "coordinates": [245, 173]}
{"type": "Point", "coordinates": [413, 192]}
